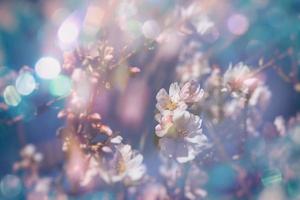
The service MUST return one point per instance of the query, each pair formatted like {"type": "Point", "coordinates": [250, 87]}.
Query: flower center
{"type": "Point", "coordinates": [182, 132]}
{"type": "Point", "coordinates": [171, 105]}
{"type": "Point", "coordinates": [121, 167]}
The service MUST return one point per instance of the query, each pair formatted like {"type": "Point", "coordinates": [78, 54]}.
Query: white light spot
{"type": "Point", "coordinates": [48, 68]}
{"type": "Point", "coordinates": [68, 32]}
{"type": "Point", "coordinates": [151, 29]}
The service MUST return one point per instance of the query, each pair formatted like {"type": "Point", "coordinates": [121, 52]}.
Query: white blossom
{"type": "Point", "coordinates": [193, 69]}
{"type": "Point", "coordinates": [184, 139]}
{"type": "Point", "coordinates": [260, 97]}
{"type": "Point", "coordinates": [178, 97]}
{"type": "Point", "coordinates": [197, 17]}
{"type": "Point", "coordinates": [125, 165]}
{"type": "Point", "coordinates": [170, 101]}
{"type": "Point", "coordinates": [235, 78]}
{"type": "Point", "coordinates": [191, 92]}
{"type": "Point", "coordinates": [28, 151]}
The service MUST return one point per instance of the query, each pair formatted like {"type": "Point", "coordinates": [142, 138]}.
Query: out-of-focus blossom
{"type": "Point", "coordinates": [154, 191]}
{"type": "Point", "coordinates": [121, 163]}
{"type": "Point", "coordinates": [127, 9]}
{"type": "Point", "coordinates": [28, 150]}
{"type": "Point", "coordinates": [31, 158]}
{"type": "Point", "coordinates": [170, 43]}
{"type": "Point", "coordinates": [279, 123]}
{"type": "Point", "coordinates": [197, 17]}
{"type": "Point", "coordinates": [235, 77]}
{"type": "Point", "coordinates": [195, 181]}
{"type": "Point", "coordinates": [134, 70]}
{"type": "Point", "coordinates": [43, 185]}
{"type": "Point", "coordinates": [191, 92]}
{"type": "Point", "coordinates": [70, 61]}
{"type": "Point", "coordinates": [130, 163]}
{"type": "Point", "coordinates": [213, 82]}
{"type": "Point", "coordinates": [233, 108]}
{"type": "Point", "coordinates": [35, 186]}
{"type": "Point", "coordinates": [258, 100]}
{"type": "Point", "coordinates": [128, 166]}
{"type": "Point", "coordinates": [254, 121]}
{"type": "Point", "coordinates": [41, 189]}
{"type": "Point", "coordinates": [171, 172]}
{"type": "Point", "coordinates": [184, 139]}
{"type": "Point", "coordinates": [193, 69]}
{"type": "Point", "coordinates": [260, 97]}
{"type": "Point", "coordinates": [293, 129]}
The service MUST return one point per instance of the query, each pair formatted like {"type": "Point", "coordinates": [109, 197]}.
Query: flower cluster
{"type": "Point", "coordinates": [101, 155]}
{"type": "Point", "coordinates": [117, 163]}
{"type": "Point", "coordinates": [210, 142]}
{"type": "Point", "coordinates": [39, 187]}
{"type": "Point", "coordinates": [179, 130]}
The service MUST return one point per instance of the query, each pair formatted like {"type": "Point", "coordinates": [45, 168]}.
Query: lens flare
{"type": "Point", "coordinates": [48, 68]}
{"type": "Point", "coordinates": [25, 83]}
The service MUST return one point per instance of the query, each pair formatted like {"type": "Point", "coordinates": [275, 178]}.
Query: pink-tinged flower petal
{"type": "Point", "coordinates": [174, 92]}
{"type": "Point", "coordinates": [116, 140]}
{"type": "Point", "coordinates": [137, 160]}
{"type": "Point", "coordinates": [191, 92]}
{"type": "Point", "coordinates": [183, 158]}
{"type": "Point", "coordinates": [198, 139]}
{"type": "Point", "coordinates": [163, 100]}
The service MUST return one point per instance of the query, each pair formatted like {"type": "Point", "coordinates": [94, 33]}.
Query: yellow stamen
{"type": "Point", "coordinates": [171, 105]}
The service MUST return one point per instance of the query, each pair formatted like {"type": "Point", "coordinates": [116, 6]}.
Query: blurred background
{"type": "Point", "coordinates": [30, 30]}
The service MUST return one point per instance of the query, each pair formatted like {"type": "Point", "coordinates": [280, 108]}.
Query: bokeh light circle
{"type": "Point", "coordinates": [47, 68]}
{"type": "Point", "coordinates": [133, 28]}
{"type": "Point", "coordinates": [25, 83]}
{"type": "Point", "coordinates": [238, 24]}
{"type": "Point", "coordinates": [11, 96]}
{"type": "Point", "coordinates": [60, 86]}
{"type": "Point", "coordinates": [151, 29]}
{"type": "Point", "coordinates": [10, 186]}
{"type": "Point", "coordinates": [68, 32]}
